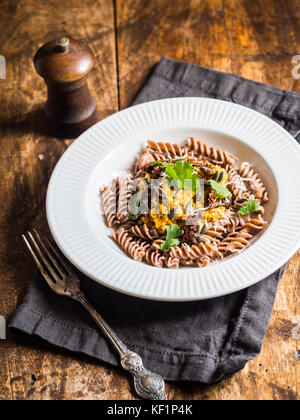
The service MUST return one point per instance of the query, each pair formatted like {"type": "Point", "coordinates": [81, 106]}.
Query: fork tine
{"type": "Point", "coordinates": [64, 264]}
{"type": "Point", "coordinates": [38, 263]}
{"type": "Point", "coordinates": [55, 261]}
{"type": "Point", "coordinates": [42, 256]}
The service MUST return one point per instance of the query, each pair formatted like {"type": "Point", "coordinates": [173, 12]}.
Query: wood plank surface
{"type": "Point", "coordinates": [27, 159]}
{"type": "Point", "coordinates": [254, 38]}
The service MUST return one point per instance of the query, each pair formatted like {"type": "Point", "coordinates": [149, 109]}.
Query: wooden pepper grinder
{"type": "Point", "coordinates": [64, 64]}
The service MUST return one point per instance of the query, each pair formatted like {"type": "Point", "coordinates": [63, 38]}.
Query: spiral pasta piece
{"type": "Point", "coordinates": [200, 262]}
{"type": "Point", "coordinates": [188, 262]}
{"type": "Point", "coordinates": [157, 243]}
{"type": "Point", "coordinates": [168, 151]}
{"type": "Point", "coordinates": [133, 248]}
{"type": "Point", "coordinates": [237, 185]}
{"type": "Point", "coordinates": [261, 210]}
{"type": "Point", "coordinates": [234, 242]}
{"type": "Point", "coordinates": [252, 223]}
{"type": "Point", "coordinates": [171, 262]}
{"type": "Point", "coordinates": [124, 194]}
{"type": "Point", "coordinates": [256, 184]}
{"type": "Point", "coordinates": [157, 156]}
{"type": "Point", "coordinates": [193, 252]}
{"type": "Point", "coordinates": [211, 152]}
{"type": "Point", "coordinates": [154, 257]}
{"type": "Point", "coordinates": [145, 158]}
{"type": "Point", "coordinates": [144, 232]}
{"type": "Point", "coordinates": [227, 220]}
{"type": "Point", "coordinates": [216, 233]}
{"type": "Point", "coordinates": [110, 204]}
{"type": "Point", "coordinates": [203, 262]}
{"type": "Point", "coordinates": [222, 246]}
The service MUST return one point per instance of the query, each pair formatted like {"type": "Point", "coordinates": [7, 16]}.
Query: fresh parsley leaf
{"type": "Point", "coordinates": [134, 215]}
{"type": "Point", "coordinates": [181, 171]}
{"type": "Point", "coordinates": [159, 163]}
{"type": "Point", "coordinates": [219, 190]}
{"type": "Point", "coordinates": [184, 170]}
{"type": "Point", "coordinates": [171, 173]}
{"type": "Point", "coordinates": [249, 207]}
{"type": "Point", "coordinates": [173, 232]}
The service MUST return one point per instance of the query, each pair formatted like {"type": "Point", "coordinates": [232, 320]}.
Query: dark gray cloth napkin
{"type": "Point", "coordinates": [199, 341]}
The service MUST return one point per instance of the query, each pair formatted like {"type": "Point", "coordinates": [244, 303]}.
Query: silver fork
{"type": "Point", "coordinates": [63, 281]}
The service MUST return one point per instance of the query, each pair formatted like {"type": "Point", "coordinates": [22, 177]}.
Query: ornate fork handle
{"type": "Point", "coordinates": [147, 384]}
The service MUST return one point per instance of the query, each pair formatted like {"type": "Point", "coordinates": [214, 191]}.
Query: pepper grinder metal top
{"type": "Point", "coordinates": [64, 64]}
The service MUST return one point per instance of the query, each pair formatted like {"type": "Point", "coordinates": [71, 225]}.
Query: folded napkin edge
{"type": "Point", "coordinates": [168, 63]}
{"type": "Point", "coordinates": [180, 73]}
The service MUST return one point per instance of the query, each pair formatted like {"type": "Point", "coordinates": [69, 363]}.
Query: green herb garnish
{"type": "Point", "coordinates": [219, 190]}
{"type": "Point", "coordinates": [134, 215]}
{"type": "Point", "coordinates": [159, 163]}
{"type": "Point", "coordinates": [173, 232]}
{"type": "Point", "coordinates": [181, 171]}
{"type": "Point", "coordinates": [249, 207]}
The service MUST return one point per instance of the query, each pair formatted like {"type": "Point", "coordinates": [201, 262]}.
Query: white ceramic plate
{"type": "Point", "coordinates": [109, 147]}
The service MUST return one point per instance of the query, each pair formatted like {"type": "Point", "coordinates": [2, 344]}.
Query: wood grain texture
{"type": "Point", "coordinates": [254, 38]}
{"type": "Point", "coordinates": [27, 158]}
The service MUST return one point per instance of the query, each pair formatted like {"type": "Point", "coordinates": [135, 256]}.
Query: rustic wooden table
{"type": "Point", "coordinates": [253, 38]}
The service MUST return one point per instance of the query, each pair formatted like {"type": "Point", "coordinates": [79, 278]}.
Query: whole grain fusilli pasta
{"type": "Point", "coordinates": [255, 183]}
{"type": "Point", "coordinates": [194, 251]}
{"type": "Point", "coordinates": [164, 222]}
{"type": "Point", "coordinates": [124, 194]}
{"type": "Point", "coordinates": [132, 247]}
{"type": "Point", "coordinates": [109, 195]}
{"type": "Point", "coordinates": [237, 185]}
{"type": "Point", "coordinates": [211, 152]}
{"type": "Point", "coordinates": [171, 262]}
{"type": "Point", "coordinates": [235, 242]}
{"type": "Point", "coordinates": [154, 257]}
{"type": "Point", "coordinates": [144, 232]}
